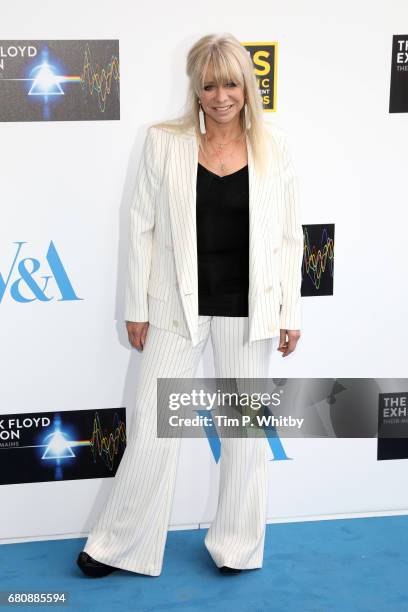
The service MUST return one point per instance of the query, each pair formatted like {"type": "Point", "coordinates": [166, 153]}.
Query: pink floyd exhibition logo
{"type": "Point", "coordinates": [65, 445]}
{"type": "Point", "coordinates": [67, 80]}
{"type": "Point", "coordinates": [399, 74]}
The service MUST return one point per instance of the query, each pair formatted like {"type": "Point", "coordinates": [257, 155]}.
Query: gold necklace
{"type": "Point", "coordinates": [221, 146]}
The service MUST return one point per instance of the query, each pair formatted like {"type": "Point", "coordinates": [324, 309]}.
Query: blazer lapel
{"type": "Point", "coordinates": [182, 193]}
{"type": "Point", "coordinates": [182, 200]}
{"type": "Point", "coordinates": [257, 213]}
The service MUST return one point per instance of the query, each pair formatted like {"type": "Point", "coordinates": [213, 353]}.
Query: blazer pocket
{"type": "Point", "coordinates": [158, 289]}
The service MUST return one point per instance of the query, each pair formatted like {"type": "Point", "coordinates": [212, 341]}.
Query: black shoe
{"type": "Point", "coordinates": [92, 567]}
{"type": "Point", "coordinates": [229, 570]}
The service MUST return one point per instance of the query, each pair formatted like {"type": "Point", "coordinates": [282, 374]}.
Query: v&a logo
{"type": "Point", "coordinates": [24, 274]}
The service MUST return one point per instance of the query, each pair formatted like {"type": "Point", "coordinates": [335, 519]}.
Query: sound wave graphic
{"type": "Point", "coordinates": [315, 259]}
{"type": "Point", "coordinates": [106, 446]}
{"type": "Point", "coordinates": [59, 446]}
{"type": "Point", "coordinates": [99, 80]}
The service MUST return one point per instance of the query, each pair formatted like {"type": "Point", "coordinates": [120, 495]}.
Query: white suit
{"type": "Point", "coordinates": [162, 282]}
{"type": "Point", "coordinates": [162, 288]}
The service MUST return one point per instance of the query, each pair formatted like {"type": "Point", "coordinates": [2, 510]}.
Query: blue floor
{"type": "Point", "coordinates": [345, 565]}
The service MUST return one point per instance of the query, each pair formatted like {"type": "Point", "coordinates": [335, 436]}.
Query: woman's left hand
{"type": "Point", "coordinates": [288, 341]}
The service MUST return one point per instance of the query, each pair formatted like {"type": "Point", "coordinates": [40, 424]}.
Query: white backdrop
{"type": "Point", "coordinates": [71, 182]}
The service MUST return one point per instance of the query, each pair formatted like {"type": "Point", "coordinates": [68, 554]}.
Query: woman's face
{"type": "Point", "coordinates": [221, 102]}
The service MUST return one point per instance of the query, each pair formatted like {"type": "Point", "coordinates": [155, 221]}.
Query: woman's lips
{"type": "Point", "coordinates": [223, 110]}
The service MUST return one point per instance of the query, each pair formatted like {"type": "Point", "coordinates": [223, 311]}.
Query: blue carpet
{"type": "Point", "coordinates": [345, 565]}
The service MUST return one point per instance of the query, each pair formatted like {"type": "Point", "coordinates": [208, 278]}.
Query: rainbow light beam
{"type": "Point", "coordinates": [47, 83]}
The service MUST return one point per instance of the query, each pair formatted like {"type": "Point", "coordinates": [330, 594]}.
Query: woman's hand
{"type": "Point", "coordinates": [137, 333]}
{"type": "Point", "coordinates": [288, 346]}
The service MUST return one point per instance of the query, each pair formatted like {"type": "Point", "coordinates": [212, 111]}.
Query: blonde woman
{"type": "Point", "coordinates": [215, 252]}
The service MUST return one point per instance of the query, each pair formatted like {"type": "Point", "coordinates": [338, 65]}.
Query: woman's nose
{"type": "Point", "coordinates": [220, 95]}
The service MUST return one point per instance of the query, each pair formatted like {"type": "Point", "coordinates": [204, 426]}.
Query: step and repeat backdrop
{"type": "Point", "coordinates": [74, 109]}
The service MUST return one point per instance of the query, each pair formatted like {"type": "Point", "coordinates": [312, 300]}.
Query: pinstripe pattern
{"type": "Point", "coordinates": [162, 282]}
{"type": "Point", "coordinates": [131, 530]}
{"type": "Point", "coordinates": [162, 288]}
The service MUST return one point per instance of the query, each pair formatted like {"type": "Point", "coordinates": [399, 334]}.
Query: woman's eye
{"type": "Point", "coordinates": [209, 87]}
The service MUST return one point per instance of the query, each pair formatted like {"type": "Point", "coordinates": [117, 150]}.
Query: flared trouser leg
{"type": "Point", "coordinates": [131, 530]}
{"type": "Point", "coordinates": [237, 534]}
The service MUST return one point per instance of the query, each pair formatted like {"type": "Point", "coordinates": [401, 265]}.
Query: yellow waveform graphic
{"type": "Point", "coordinates": [316, 260]}
{"type": "Point", "coordinates": [99, 80]}
{"type": "Point", "coordinates": [106, 446]}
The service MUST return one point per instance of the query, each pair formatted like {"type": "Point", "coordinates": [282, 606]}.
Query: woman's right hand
{"type": "Point", "coordinates": [137, 333]}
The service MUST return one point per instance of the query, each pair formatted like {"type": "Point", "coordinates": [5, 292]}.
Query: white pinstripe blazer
{"type": "Point", "coordinates": [162, 279]}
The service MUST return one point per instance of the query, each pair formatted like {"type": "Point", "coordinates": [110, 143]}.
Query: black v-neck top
{"type": "Point", "coordinates": [222, 212]}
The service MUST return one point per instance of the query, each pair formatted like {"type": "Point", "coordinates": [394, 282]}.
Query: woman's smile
{"type": "Point", "coordinates": [223, 109]}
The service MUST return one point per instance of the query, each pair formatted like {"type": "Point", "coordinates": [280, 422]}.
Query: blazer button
{"type": "Point", "coordinates": [175, 323]}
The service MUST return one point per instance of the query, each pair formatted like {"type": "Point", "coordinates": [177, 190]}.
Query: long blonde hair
{"type": "Point", "coordinates": [230, 61]}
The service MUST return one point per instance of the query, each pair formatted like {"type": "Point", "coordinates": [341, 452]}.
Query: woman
{"type": "Point", "coordinates": [215, 250]}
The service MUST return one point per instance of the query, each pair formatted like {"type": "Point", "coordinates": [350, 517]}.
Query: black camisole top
{"type": "Point", "coordinates": [222, 214]}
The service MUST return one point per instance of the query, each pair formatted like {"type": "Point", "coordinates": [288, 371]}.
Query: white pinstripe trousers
{"type": "Point", "coordinates": [131, 530]}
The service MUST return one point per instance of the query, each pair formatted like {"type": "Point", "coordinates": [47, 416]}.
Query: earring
{"type": "Point", "coordinates": [247, 119]}
{"type": "Point", "coordinates": [201, 119]}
